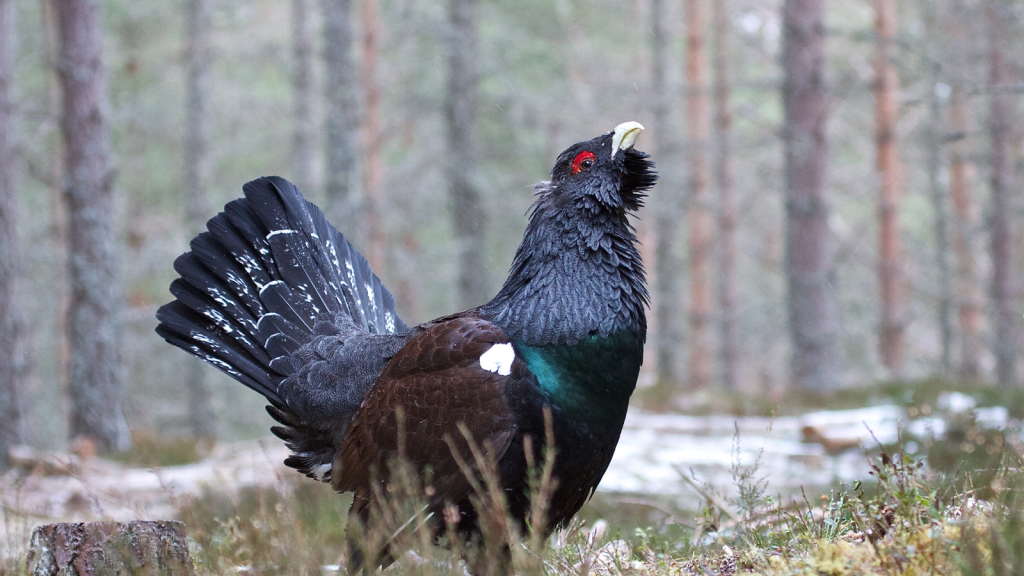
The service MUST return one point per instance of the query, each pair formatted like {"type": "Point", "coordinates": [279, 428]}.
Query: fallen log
{"type": "Point", "coordinates": [140, 548]}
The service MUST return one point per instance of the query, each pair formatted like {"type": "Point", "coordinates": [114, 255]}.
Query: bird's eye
{"type": "Point", "coordinates": [583, 161]}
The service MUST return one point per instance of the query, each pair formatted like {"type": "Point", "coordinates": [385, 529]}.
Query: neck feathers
{"type": "Point", "coordinates": [577, 272]}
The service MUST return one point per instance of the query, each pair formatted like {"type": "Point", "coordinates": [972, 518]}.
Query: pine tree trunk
{"type": "Point", "coordinates": [813, 309]}
{"type": "Point", "coordinates": [665, 213]}
{"type": "Point", "coordinates": [94, 383]}
{"type": "Point", "coordinates": [698, 127]}
{"type": "Point", "coordinates": [1001, 113]}
{"type": "Point", "coordinates": [460, 119]}
{"type": "Point", "coordinates": [58, 228]}
{"type": "Point", "coordinates": [304, 131]}
{"type": "Point", "coordinates": [969, 297]}
{"type": "Point", "coordinates": [890, 247]}
{"type": "Point", "coordinates": [726, 201]}
{"type": "Point", "coordinates": [197, 180]}
{"type": "Point", "coordinates": [340, 124]}
{"type": "Point", "coordinates": [372, 138]}
{"type": "Point", "coordinates": [938, 198]}
{"type": "Point", "coordinates": [11, 384]}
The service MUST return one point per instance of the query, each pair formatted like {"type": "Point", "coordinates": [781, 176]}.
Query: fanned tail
{"type": "Point", "coordinates": [255, 284]}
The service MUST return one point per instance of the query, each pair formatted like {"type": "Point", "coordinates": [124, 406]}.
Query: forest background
{"type": "Point", "coordinates": [420, 125]}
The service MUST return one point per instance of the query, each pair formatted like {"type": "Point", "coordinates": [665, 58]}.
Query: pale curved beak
{"type": "Point", "coordinates": [625, 136]}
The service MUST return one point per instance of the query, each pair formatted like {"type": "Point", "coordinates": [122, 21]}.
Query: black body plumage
{"type": "Point", "coordinates": [279, 300]}
{"type": "Point", "coordinates": [577, 270]}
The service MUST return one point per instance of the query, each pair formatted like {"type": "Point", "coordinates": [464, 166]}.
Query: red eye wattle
{"type": "Point", "coordinates": [583, 161]}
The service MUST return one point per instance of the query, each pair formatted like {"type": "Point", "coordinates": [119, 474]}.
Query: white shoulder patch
{"type": "Point", "coordinates": [498, 359]}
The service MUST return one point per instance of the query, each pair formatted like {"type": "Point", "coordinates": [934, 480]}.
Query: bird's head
{"type": "Point", "coordinates": [604, 173]}
{"type": "Point", "coordinates": [577, 271]}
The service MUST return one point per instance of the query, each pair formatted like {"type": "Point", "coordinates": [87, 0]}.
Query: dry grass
{"type": "Point", "coordinates": [909, 520]}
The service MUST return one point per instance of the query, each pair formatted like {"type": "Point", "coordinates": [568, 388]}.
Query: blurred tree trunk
{"type": "Point", "coordinates": [58, 228]}
{"type": "Point", "coordinates": [197, 180]}
{"type": "Point", "coordinates": [890, 247]}
{"type": "Point", "coordinates": [304, 134]}
{"type": "Point", "coordinates": [1001, 127]}
{"type": "Point", "coordinates": [935, 141]}
{"type": "Point", "coordinates": [460, 119]}
{"type": "Point", "coordinates": [698, 127]}
{"type": "Point", "coordinates": [813, 310]}
{"type": "Point", "coordinates": [372, 137]}
{"type": "Point", "coordinates": [666, 263]}
{"type": "Point", "coordinates": [11, 373]}
{"type": "Point", "coordinates": [726, 200]}
{"type": "Point", "coordinates": [969, 297]}
{"type": "Point", "coordinates": [340, 124]}
{"type": "Point", "coordinates": [94, 382]}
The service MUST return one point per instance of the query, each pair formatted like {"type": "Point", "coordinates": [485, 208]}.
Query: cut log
{"type": "Point", "coordinates": [840, 430]}
{"type": "Point", "coordinates": [105, 548]}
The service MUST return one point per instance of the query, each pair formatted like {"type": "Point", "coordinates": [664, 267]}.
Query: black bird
{"type": "Point", "coordinates": [276, 298]}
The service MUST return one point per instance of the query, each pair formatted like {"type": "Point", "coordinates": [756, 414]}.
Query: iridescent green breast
{"type": "Point", "coordinates": [589, 381]}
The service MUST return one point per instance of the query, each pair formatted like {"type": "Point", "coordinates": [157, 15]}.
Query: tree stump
{"type": "Point", "coordinates": [110, 548]}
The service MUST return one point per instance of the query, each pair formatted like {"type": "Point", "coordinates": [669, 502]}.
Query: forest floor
{"type": "Point", "coordinates": [923, 482]}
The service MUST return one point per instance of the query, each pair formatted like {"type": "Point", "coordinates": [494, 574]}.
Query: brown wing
{"type": "Point", "coordinates": [438, 383]}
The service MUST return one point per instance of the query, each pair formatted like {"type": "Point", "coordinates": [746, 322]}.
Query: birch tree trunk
{"type": "Point", "coordinates": [813, 310]}
{"type": "Point", "coordinates": [197, 180]}
{"type": "Point", "coordinates": [890, 246]}
{"type": "Point", "coordinates": [1001, 126]}
{"type": "Point", "coordinates": [304, 131]}
{"type": "Point", "coordinates": [94, 383]}
{"type": "Point", "coordinates": [698, 127]}
{"type": "Point", "coordinates": [666, 216]}
{"type": "Point", "coordinates": [372, 137]}
{"type": "Point", "coordinates": [969, 297]}
{"type": "Point", "coordinates": [460, 123]}
{"type": "Point", "coordinates": [340, 124]}
{"type": "Point", "coordinates": [11, 384]}
{"type": "Point", "coordinates": [726, 201]}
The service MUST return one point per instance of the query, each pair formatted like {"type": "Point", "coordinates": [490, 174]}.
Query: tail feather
{"type": "Point", "coordinates": [254, 286]}
{"type": "Point", "coordinates": [196, 334]}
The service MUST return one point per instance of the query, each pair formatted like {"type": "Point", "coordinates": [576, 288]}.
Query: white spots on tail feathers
{"type": "Point", "coordinates": [214, 361]}
{"type": "Point", "coordinates": [222, 322]}
{"type": "Point", "coordinates": [267, 316]}
{"type": "Point", "coordinates": [236, 282]}
{"type": "Point", "coordinates": [198, 337]}
{"type": "Point", "coordinates": [268, 285]}
{"type": "Point", "coordinates": [498, 359]}
{"type": "Point", "coordinates": [355, 289]}
{"type": "Point", "coordinates": [276, 232]}
{"type": "Point", "coordinates": [372, 297]}
{"type": "Point", "coordinates": [389, 322]}
{"type": "Point", "coordinates": [352, 277]}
